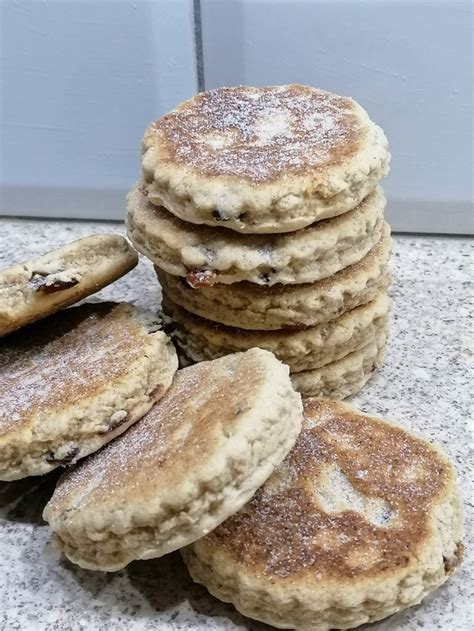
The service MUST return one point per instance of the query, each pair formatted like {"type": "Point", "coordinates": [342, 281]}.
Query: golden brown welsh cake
{"type": "Point", "coordinates": [346, 376]}
{"type": "Point", "coordinates": [337, 380]}
{"type": "Point", "coordinates": [34, 289]}
{"type": "Point", "coordinates": [249, 306]}
{"type": "Point", "coordinates": [263, 160]}
{"type": "Point", "coordinates": [304, 349]}
{"type": "Point", "coordinates": [361, 520]}
{"type": "Point", "coordinates": [197, 457]}
{"type": "Point", "coordinates": [206, 255]}
{"type": "Point", "coordinates": [74, 381]}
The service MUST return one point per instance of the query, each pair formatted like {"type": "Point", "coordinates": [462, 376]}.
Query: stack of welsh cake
{"type": "Point", "coordinates": [262, 212]}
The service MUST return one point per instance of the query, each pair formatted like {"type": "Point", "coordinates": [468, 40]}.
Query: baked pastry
{"type": "Point", "coordinates": [197, 457]}
{"type": "Point", "coordinates": [360, 521]}
{"type": "Point", "coordinates": [263, 160]}
{"type": "Point", "coordinates": [206, 255]}
{"type": "Point", "coordinates": [249, 306]}
{"type": "Point", "coordinates": [34, 289]}
{"type": "Point", "coordinates": [337, 380]}
{"type": "Point", "coordinates": [305, 349]}
{"type": "Point", "coordinates": [344, 377]}
{"type": "Point", "coordinates": [74, 381]}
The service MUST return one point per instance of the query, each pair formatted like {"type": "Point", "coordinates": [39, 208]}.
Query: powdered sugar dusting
{"type": "Point", "coordinates": [64, 359]}
{"type": "Point", "coordinates": [339, 505]}
{"type": "Point", "coordinates": [180, 432]}
{"type": "Point", "coordinates": [273, 125]}
{"type": "Point", "coordinates": [261, 133]}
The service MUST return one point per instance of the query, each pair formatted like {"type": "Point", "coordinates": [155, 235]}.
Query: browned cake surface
{"type": "Point", "coordinates": [259, 134]}
{"type": "Point", "coordinates": [288, 530]}
{"type": "Point", "coordinates": [64, 359]}
{"type": "Point", "coordinates": [263, 160]}
{"type": "Point", "coordinates": [199, 410]}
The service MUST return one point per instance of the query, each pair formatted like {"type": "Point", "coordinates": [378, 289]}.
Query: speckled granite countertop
{"type": "Point", "coordinates": [424, 385]}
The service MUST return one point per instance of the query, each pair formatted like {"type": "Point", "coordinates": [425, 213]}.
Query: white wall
{"type": "Point", "coordinates": [409, 63]}
{"type": "Point", "coordinates": [81, 80]}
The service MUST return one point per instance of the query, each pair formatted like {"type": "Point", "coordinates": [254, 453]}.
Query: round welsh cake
{"type": "Point", "coordinates": [346, 376]}
{"type": "Point", "coordinates": [74, 381]}
{"type": "Point", "coordinates": [361, 520]}
{"type": "Point", "coordinates": [197, 457]}
{"type": "Point", "coordinates": [263, 160]}
{"type": "Point", "coordinates": [205, 255]}
{"type": "Point", "coordinates": [41, 286]}
{"type": "Point", "coordinates": [255, 307]}
{"type": "Point", "coordinates": [305, 349]}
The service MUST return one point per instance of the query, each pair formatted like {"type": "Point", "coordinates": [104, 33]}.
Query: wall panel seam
{"type": "Point", "coordinates": [198, 45]}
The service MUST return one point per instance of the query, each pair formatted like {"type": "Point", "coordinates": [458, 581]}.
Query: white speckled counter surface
{"type": "Point", "coordinates": [423, 385]}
